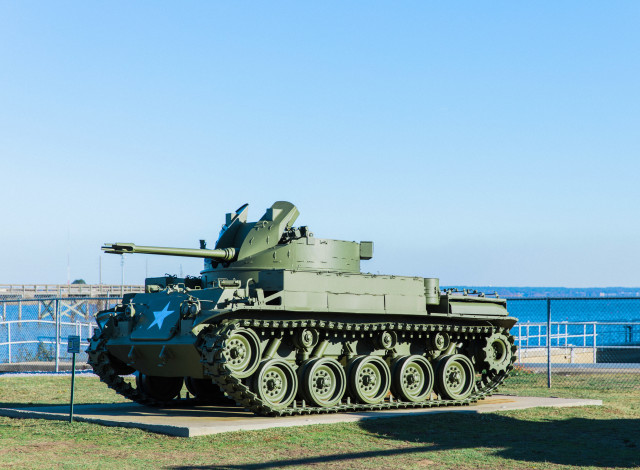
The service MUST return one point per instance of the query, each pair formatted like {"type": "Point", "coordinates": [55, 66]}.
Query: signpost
{"type": "Point", "coordinates": [74, 348]}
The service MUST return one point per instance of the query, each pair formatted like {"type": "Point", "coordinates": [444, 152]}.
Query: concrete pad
{"type": "Point", "coordinates": [205, 420]}
{"type": "Point", "coordinates": [41, 366]}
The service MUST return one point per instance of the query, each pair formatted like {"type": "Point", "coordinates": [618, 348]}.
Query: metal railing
{"type": "Point", "coordinates": [29, 291]}
{"type": "Point", "coordinates": [579, 338]}
{"type": "Point", "coordinates": [530, 334]}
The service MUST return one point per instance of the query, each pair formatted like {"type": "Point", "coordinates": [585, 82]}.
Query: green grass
{"type": "Point", "coordinates": [54, 390]}
{"type": "Point", "coordinates": [554, 438]}
{"type": "Point", "coordinates": [576, 385]}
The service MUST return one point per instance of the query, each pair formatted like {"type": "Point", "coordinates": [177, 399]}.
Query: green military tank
{"type": "Point", "coordinates": [281, 323]}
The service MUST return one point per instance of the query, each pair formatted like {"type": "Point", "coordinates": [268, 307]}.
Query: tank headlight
{"type": "Point", "coordinates": [193, 309]}
{"type": "Point", "coordinates": [184, 309]}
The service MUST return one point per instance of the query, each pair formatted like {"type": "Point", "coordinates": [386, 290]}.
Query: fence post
{"type": "Point", "coordinates": [520, 344]}
{"type": "Point", "coordinates": [57, 334]}
{"type": "Point", "coordinates": [595, 350]}
{"type": "Point", "coordinates": [9, 339]}
{"type": "Point", "coordinates": [548, 342]}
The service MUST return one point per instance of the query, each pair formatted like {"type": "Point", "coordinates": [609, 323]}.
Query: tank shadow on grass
{"type": "Point", "coordinates": [576, 441]}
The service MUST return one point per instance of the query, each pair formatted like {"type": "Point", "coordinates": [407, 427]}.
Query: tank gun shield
{"type": "Point", "coordinates": [233, 221]}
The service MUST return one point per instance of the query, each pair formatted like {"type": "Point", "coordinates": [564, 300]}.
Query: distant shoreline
{"type": "Point", "coordinates": [541, 292]}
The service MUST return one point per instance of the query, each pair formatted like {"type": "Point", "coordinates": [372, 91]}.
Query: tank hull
{"type": "Point", "coordinates": [250, 338]}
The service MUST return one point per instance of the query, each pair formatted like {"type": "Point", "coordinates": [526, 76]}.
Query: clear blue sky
{"type": "Point", "coordinates": [479, 142]}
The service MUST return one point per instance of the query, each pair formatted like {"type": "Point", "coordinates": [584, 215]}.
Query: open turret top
{"type": "Point", "coordinates": [274, 243]}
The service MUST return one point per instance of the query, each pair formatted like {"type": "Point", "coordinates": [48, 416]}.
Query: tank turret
{"type": "Point", "coordinates": [244, 249]}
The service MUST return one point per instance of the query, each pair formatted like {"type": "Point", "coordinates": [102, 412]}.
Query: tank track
{"type": "Point", "coordinates": [104, 368]}
{"type": "Point", "coordinates": [213, 340]}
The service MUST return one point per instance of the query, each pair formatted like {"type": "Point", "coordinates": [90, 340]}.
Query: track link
{"type": "Point", "coordinates": [103, 367]}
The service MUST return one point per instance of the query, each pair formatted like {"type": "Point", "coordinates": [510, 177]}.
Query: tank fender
{"type": "Point", "coordinates": [206, 317]}
{"type": "Point", "coordinates": [231, 297]}
{"type": "Point", "coordinates": [230, 293]}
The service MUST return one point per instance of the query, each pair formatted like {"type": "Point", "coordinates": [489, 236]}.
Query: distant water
{"type": "Point", "coordinates": [588, 309]}
{"type": "Point", "coordinates": [604, 310]}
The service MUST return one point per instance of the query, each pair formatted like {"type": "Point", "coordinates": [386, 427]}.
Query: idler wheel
{"type": "Point", "coordinates": [207, 391]}
{"type": "Point", "coordinates": [455, 377]}
{"type": "Point", "coordinates": [276, 383]}
{"type": "Point", "coordinates": [413, 378]}
{"type": "Point", "coordinates": [159, 388]}
{"type": "Point", "coordinates": [369, 379]}
{"type": "Point", "coordinates": [242, 353]}
{"type": "Point", "coordinates": [323, 382]}
{"type": "Point", "coordinates": [497, 352]}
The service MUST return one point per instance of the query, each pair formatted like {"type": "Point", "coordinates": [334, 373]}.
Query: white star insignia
{"type": "Point", "coordinates": [160, 316]}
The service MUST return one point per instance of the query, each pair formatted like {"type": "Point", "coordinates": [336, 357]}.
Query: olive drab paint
{"type": "Point", "coordinates": [281, 322]}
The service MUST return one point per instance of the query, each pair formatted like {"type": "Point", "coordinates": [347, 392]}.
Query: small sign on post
{"type": "Point", "coordinates": [73, 347]}
{"type": "Point", "coordinates": [74, 344]}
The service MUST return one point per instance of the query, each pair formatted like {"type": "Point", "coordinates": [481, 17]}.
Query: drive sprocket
{"type": "Point", "coordinates": [498, 352]}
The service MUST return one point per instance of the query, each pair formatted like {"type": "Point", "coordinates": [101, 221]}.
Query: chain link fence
{"type": "Point", "coordinates": [34, 332]}
{"type": "Point", "coordinates": [561, 341]}
{"type": "Point", "coordinates": [576, 341]}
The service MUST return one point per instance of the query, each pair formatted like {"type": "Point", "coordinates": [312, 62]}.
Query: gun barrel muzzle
{"type": "Point", "coordinates": [219, 254]}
